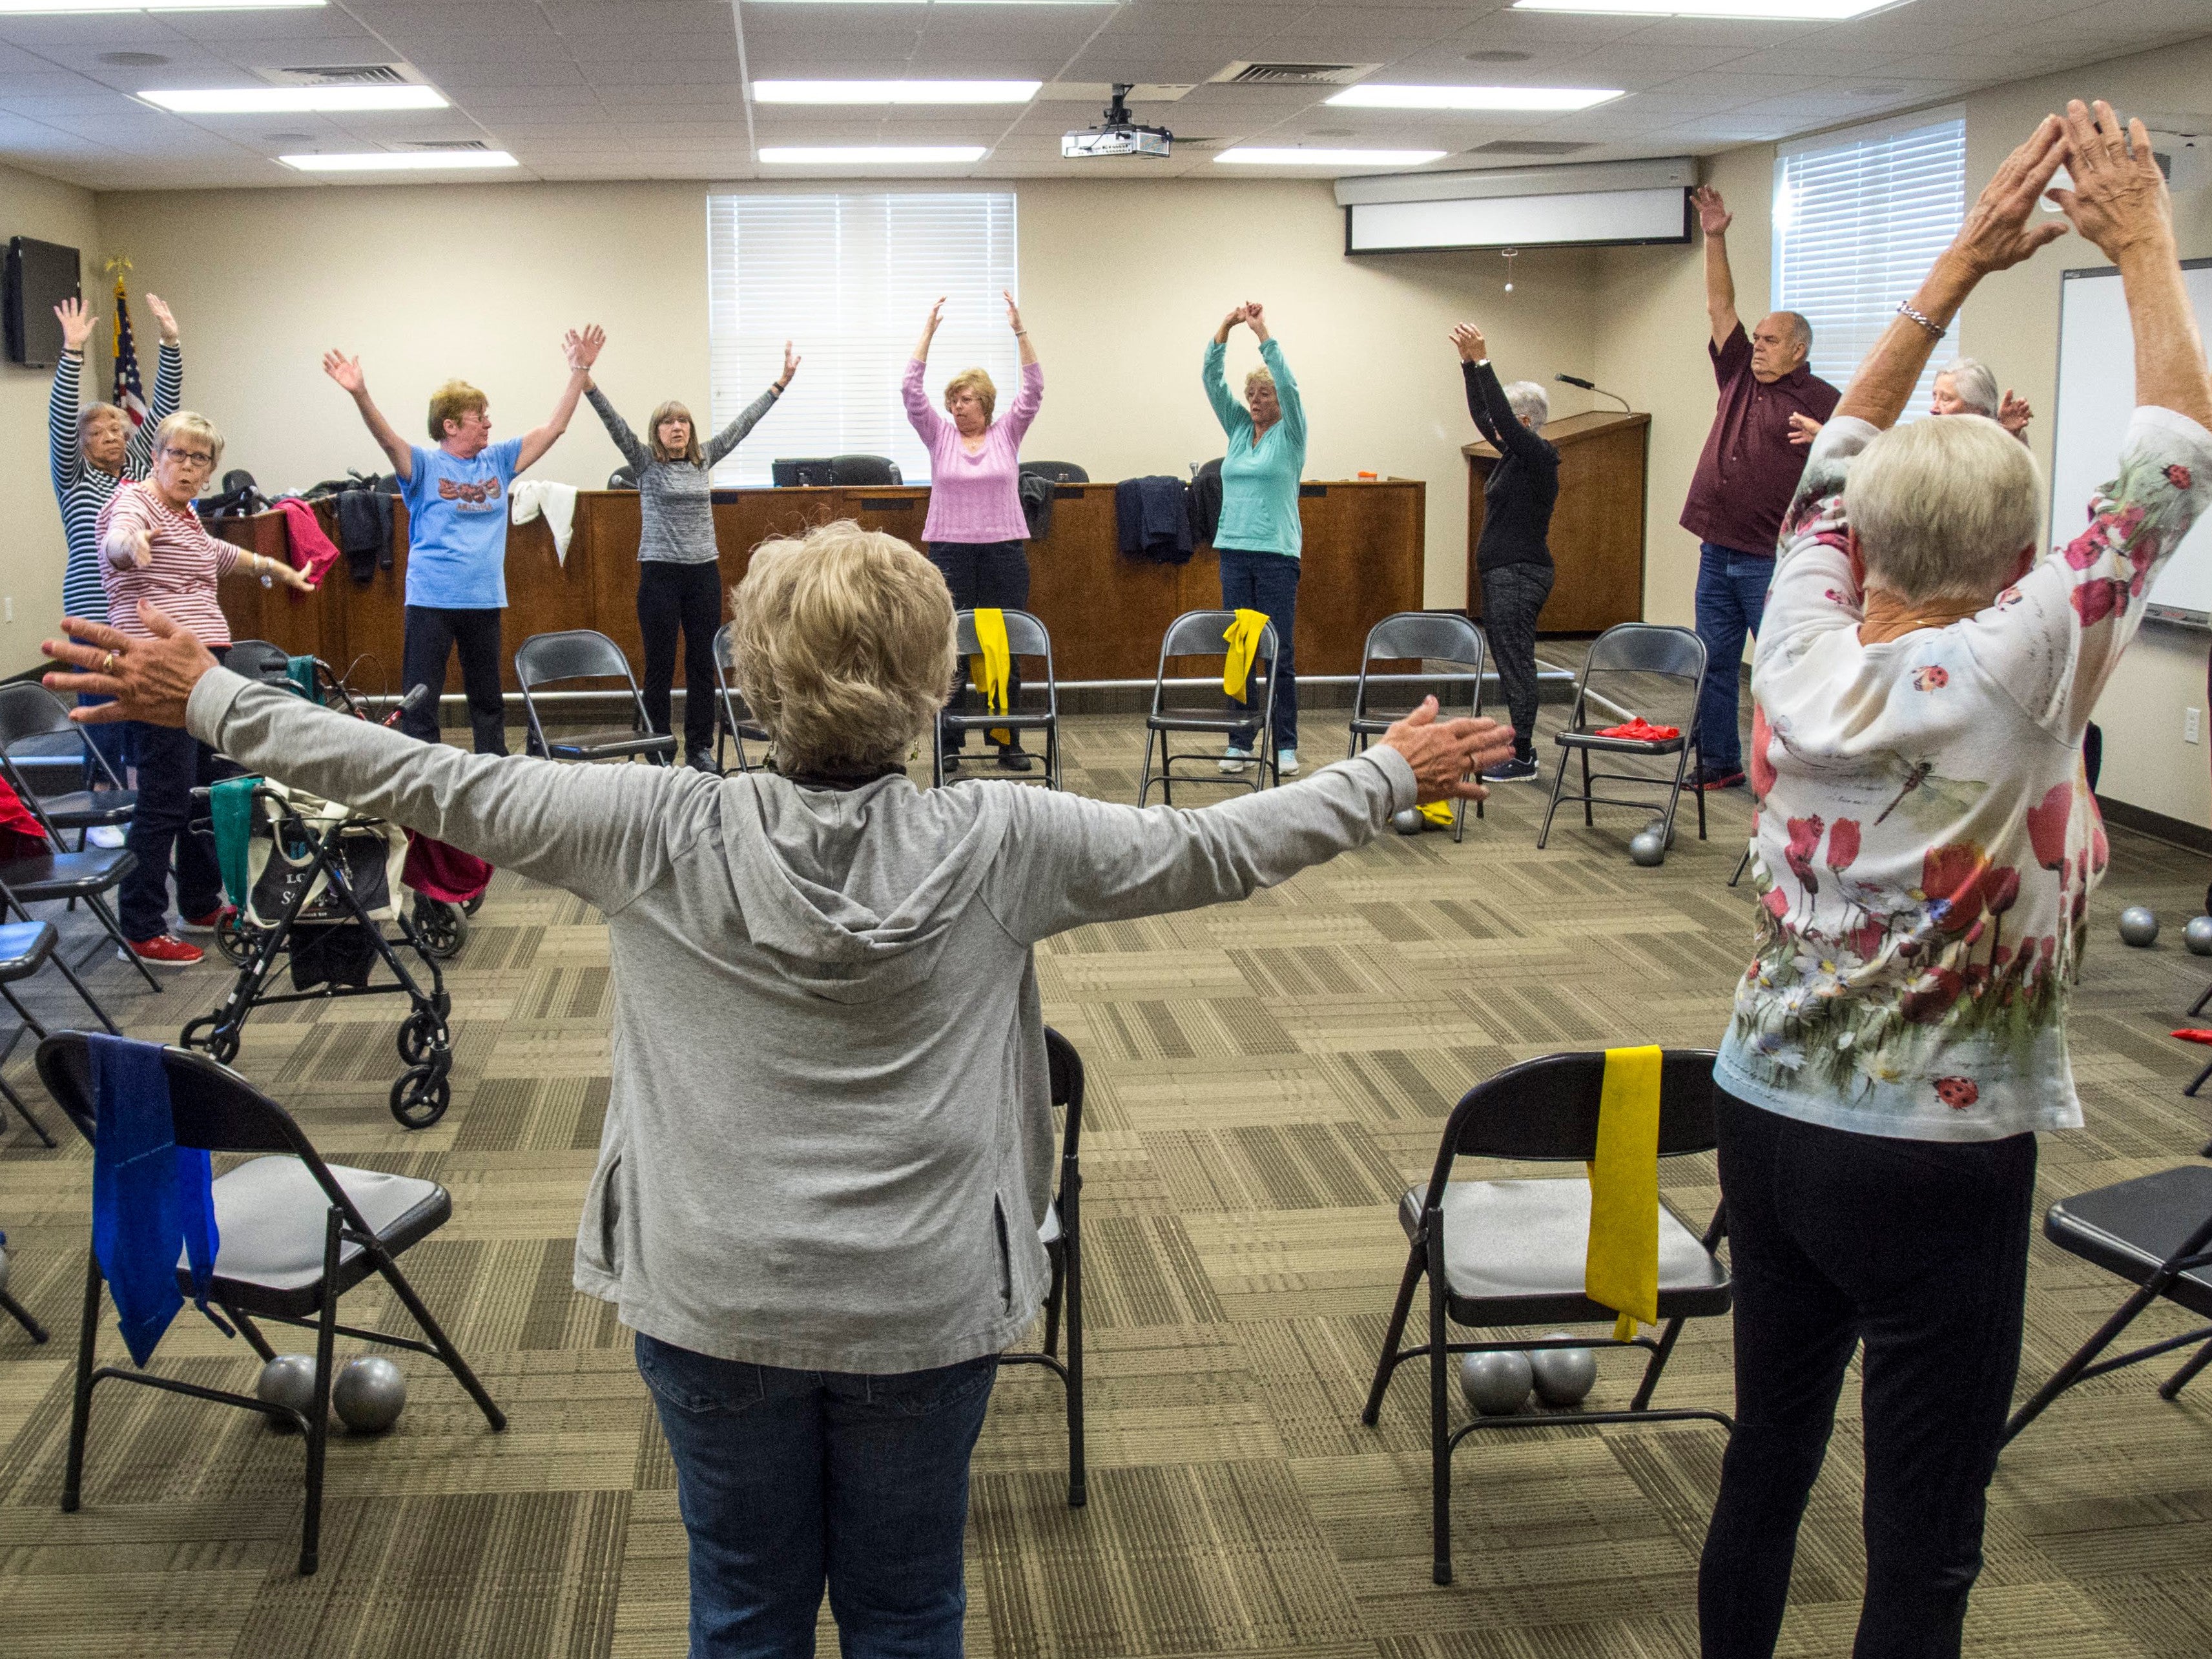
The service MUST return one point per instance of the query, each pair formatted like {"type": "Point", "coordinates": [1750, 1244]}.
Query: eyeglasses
{"type": "Point", "coordinates": [189, 457]}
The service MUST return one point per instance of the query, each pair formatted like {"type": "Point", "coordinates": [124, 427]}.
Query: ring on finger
{"type": "Point", "coordinates": [108, 667]}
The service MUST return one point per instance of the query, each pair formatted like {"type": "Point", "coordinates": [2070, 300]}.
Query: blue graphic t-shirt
{"type": "Point", "coordinates": [456, 528]}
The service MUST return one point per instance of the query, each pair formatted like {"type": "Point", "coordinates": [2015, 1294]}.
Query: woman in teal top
{"type": "Point", "coordinates": [1258, 538]}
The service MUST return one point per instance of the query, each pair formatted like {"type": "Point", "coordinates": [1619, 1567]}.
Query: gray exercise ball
{"type": "Point", "coordinates": [1495, 1384]}
{"type": "Point", "coordinates": [2197, 936]}
{"type": "Point", "coordinates": [2138, 926]}
{"type": "Point", "coordinates": [1565, 1376]}
{"type": "Point", "coordinates": [1409, 822]}
{"type": "Point", "coordinates": [288, 1380]}
{"type": "Point", "coordinates": [1661, 828]}
{"type": "Point", "coordinates": [370, 1394]}
{"type": "Point", "coordinates": [1646, 848]}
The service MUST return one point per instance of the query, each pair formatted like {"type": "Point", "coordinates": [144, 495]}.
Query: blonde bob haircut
{"type": "Point", "coordinates": [186, 424]}
{"type": "Point", "coordinates": [974, 380]}
{"type": "Point", "coordinates": [1259, 377]}
{"type": "Point", "coordinates": [1943, 508]}
{"type": "Point", "coordinates": [673, 410]}
{"type": "Point", "coordinates": [842, 642]}
{"type": "Point", "coordinates": [453, 402]}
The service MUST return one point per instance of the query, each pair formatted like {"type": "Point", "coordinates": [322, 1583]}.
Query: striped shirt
{"type": "Point", "coordinates": [82, 490]}
{"type": "Point", "coordinates": [181, 575]}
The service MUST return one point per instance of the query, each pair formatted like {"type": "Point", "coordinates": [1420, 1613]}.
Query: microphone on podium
{"type": "Point", "coordinates": [1592, 386]}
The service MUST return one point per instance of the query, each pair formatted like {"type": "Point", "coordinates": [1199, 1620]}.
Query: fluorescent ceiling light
{"type": "Point", "coordinates": [871, 155]}
{"type": "Point", "coordinates": [292, 100]}
{"type": "Point", "coordinates": [393, 161]}
{"type": "Point", "coordinates": [895, 92]}
{"type": "Point", "coordinates": [1794, 11]}
{"type": "Point", "coordinates": [57, 8]}
{"type": "Point", "coordinates": [1253, 156]}
{"type": "Point", "coordinates": [1371, 96]}
{"type": "Point", "coordinates": [941, 2]}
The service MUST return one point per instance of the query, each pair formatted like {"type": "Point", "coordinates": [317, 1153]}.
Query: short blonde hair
{"type": "Point", "coordinates": [672, 410]}
{"type": "Point", "coordinates": [1944, 507]}
{"type": "Point", "coordinates": [186, 424]}
{"type": "Point", "coordinates": [842, 644]}
{"type": "Point", "coordinates": [974, 380]}
{"type": "Point", "coordinates": [451, 402]}
{"type": "Point", "coordinates": [1261, 376]}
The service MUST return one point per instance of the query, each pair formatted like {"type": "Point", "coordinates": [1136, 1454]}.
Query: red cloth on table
{"type": "Point", "coordinates": [442, 873]}
{"type": "Point", "coordinates": [308, 548]}
{"type": "Point", "coordinates": [1642, 730]}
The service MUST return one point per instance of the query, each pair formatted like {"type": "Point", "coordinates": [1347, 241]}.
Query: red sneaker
{"type": "Point", "coordinates": [162, 951]}
{"type": "Point", "coordinates": [212, 922]}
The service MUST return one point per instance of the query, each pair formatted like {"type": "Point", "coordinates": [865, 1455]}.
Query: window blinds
{"type": "Point", "coordinates": [1857, 224]}
{"type": "Point", "coordinates": [848, 280]}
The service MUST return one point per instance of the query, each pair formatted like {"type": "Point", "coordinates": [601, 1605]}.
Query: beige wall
{"type": "Point", "coordinates": [1122, 283]}
{"type": "Point", "coordinates": [31, 567]}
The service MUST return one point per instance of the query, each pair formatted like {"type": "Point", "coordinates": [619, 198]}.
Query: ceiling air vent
{"type": "Point", "coordinates": [444, 143]}
{"type": "Point", "coordinates": [1528, 147]}
{"type": "Point", "coordinates": [345, 74]}
{"type": "Point", "coordinates": [1293, 74]}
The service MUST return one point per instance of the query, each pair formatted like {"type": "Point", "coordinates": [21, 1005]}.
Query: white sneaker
{"type": "Point", "coordinates": [106, 835]}
{"type": "Point", "coordinates": [1286, 762]}
{"type": "Point", "coordinates": [1235, 760]}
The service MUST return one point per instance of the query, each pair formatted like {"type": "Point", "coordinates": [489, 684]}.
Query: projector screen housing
{"type": "Point", "coordinates": [1597, 205]}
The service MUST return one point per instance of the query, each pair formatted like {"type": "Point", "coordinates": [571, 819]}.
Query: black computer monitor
{"type": "Point", "coordinates": [816, 472]}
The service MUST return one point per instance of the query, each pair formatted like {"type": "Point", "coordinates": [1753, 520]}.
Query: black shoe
{"type": "Point", "coordinates": [952, 758]}
{"type": "Point", "coordinates": [1717, 777]}
{"type": "Point", "coordinates": [1521, 768]}
{"type": "Point", "coordinates": [701, 760]}
{"type": "Point", "coordinates": [1016, 759]}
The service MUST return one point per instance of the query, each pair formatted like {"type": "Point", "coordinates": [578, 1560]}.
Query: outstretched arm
{"type": "Point", "coordinates": [582, 350]}
{"type": "Point", "coordinates": [929, 331]}
{"type": "Point", "coordinates": [346, 371]}
{"type": "Point", "coordinates": [64, 448]}
{"type": "Point", "coordinates": [1714, 219]}
{"type": "Point", "coordinates": [750, 417]}
{"type": "Point", "coordinates": [626, 441]}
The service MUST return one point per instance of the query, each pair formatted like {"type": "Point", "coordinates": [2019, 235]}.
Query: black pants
{"type": "Point", "coordinates": [1269, 583]}
{"type": "Point", "coordinates": [983, 576]}
{"type": "Point", "coordinates": [671, 596]}
{"type": "Point", "coordinates": [1919, 1249]}
{"type": "Point", "coordinates": [1512, 595]}
{"type": "Point", "coordinates": [432, 633]}
{"type": "Point", "coordinates": [172, 763]}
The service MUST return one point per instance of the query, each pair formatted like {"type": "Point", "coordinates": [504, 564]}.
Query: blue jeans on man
{"type": "Point", "coordinates": [1731, 599]}
{"type": "Point", "coordinates": [791, 1480]}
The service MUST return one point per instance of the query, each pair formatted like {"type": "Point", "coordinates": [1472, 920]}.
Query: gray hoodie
{"type": "Point", "coordinates": [829, 1143]}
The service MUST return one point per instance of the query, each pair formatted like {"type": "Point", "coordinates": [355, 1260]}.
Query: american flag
{"type": "Point", "coordinates": [129, 393]}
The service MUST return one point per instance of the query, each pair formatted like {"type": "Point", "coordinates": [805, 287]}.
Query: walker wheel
{"type": "Point", "coordinates": [223, 1044]}
{"type": "Point", "coordinates": [441, 929]}
{"type": "Point", "coordinates": [420, 1095]}
{"type": "Point", "coordinates": [421, 1035]}
{"type": "Point", "coordinates": [473, 905]}
{"type": "Point", "coordinates": [238, 938]}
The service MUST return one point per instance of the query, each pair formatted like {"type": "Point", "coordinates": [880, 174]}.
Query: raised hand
{"type": "Point", "coordinates": [77, 320]}
{"type": "Point", "coordinates": [2014, 413]}
{"type": "Point", "coordinates": [1997, 235]}
{"type": "Point", "coordinates": [291, 577]}
{"type": "Point", "coordinates": [791, 361]}
{"type": "Point", "coordinates": [2120, 196]}
{"type": "Point", "coordinates": [164, 316]}
{"type": "Point", "coordinates": [582, 350]}
{"type": "Point", "coordinates": [936, 316]}
{"type": "Point", "coordinates": [1442, 754]}
{"type": "Point", "coordinates": [133, 544]}
{"type": "Point", "coordinates": [1473, 348]}
{"type": "Point", "coordinates": [1013, 312]}
{"type": "Point", "coordinates": [1803, 428]}
{"type": "Point", "coordinates": [149, 680]}
{"type": "Point", "coordinates": [345, 370]}
{"type": "Point", "coordinates": [1713, 216]}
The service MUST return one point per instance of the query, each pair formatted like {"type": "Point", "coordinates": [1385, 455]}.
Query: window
{"type": "Point", "coordinates": [848, 280]}
{"type": "Point", "coordinates": [1858, 219]}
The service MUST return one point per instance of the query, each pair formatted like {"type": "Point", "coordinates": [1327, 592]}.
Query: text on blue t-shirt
{"type": "Point", "coordinates": [457, 528]}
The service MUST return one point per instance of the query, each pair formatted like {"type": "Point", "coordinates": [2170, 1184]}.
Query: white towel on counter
{"type": "Point", "coordinates": [529, 497]}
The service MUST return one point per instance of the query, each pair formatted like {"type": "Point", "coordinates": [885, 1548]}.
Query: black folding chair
{"type": "Point", "coordinates": [581, 653]}
{"type": "Point", "coordinates": [1026, 637]}
{"type": "Point", "coordinates": [295, 1235]}
{"type": "Point", "coordinates": [29, 712]}
{"type": "Point", "coordinates": [1513, 1253]}
{"type": "Point", "coordinates": [1622, 653]}
{"type": "Point", "coordinates": [15, 1309]}
{"type": "Point", "coordinates": [1209, 711]}
{"type": "Point", "coordinates": [734, 720]}
{"type": "Point", "coordinates": [26, 947]}
{"type": "Point", "coordinates": [1060, 472]}
{"type": "Point", "coordinates": [2155, 1232]}
{"type": "Point", "coordinates": [1432, 636]}
{"type": "Point", "coordinates": [90, 874]}
{"type": "Point", "coordinates": [1061, 1234]}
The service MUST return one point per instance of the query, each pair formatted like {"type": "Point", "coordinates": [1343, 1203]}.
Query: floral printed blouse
{"type": "Point", "coordinates": [1925, 840]}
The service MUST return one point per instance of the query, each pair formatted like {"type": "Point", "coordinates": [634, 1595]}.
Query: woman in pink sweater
{"type": "Point", "coordinates": [976, 532]}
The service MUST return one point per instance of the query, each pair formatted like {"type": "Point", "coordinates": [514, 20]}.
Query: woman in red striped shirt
{"type": "Point", "coordinates": [154, 548]}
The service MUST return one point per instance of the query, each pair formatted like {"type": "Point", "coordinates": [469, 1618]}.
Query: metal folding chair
{"type": "Point", "coordinates": [1026, 637]}
{"type": "Point", "coordinates": [1432, 636]}
{"type": "Point", "coordinates": [1650, 651]}
{"type": "Point", "coordinates": [732, 720]}
{"type": "Point", "coordinates": [1061, 1234]}
{"type": "Point", "coordinates": [581, 653]}
{"type": "Point", "coordinates": [30, 712]}
{"type": "Point", "coordinates": [1209, 712]}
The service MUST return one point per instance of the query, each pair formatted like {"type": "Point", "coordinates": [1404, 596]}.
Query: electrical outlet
{"type": "Point", "coordinates": [2192, 725]}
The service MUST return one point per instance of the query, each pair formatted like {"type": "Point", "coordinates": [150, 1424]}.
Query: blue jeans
{"type": "Point", "coordinates": [1731, 598]}
{"type": "Point", "coordinates": [1269, 583]}
{"type": "Point", "coordinates": [113, 740]}
{"type": "Point", "coordinates": [789, 1478]}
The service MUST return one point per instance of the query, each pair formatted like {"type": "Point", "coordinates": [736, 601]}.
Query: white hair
{"type": "Point", "coordinates": [1530, 401]}
{"type": "Point", "coordinates": [1944, 509]}
{"type": "Point", "coordinates": [1973, 384]}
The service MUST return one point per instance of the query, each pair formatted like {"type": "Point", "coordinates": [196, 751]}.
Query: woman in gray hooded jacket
{"type": "Point", "coordinates": [828, 1147]}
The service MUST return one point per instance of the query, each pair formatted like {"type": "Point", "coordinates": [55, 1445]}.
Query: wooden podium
{"type": "Point", "coordinates": [1597, 529]}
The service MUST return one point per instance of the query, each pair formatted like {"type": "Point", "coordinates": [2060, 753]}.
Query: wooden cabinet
{"type": "Point", "coordinates": [1597, 529]}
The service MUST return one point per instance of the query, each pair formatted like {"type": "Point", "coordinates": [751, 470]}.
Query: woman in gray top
{"type": "Point", "coordinates": [829, 1144]}
{"type": "Point", "coordinates": [679, 583]}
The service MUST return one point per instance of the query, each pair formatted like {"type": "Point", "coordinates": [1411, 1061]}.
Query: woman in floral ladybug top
{"type": "Point", "coordinates": [1925, 847]}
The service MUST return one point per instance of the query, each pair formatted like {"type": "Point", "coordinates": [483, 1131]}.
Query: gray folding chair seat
{"type": "Point", "coordinates": [1674, 656]}
{"type": "Point", "coordinates": [269, 1216]}
{"type": "Point", "coordinates": [1199, 634]}
{"type": "Point", "coordinates": [1026, 637]}
{"type": "Point", "coordinates": [1429, 636]}
{"type": "Point", "coordinates": [583, 654]}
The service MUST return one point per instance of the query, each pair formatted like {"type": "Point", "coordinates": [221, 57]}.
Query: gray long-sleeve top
{"type": "Point", "coordinates": [675, 497]}
{"type": "Point", "coordinates": [828, 1143]}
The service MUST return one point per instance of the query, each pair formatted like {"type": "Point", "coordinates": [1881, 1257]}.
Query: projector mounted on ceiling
{"type": "Point", "coordinates": [1117, 134]}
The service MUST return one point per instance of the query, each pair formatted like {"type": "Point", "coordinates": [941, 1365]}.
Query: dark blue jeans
{"type": "Point", "coordinates": [1731, 598]}
{"type": "Point", "coordinates": [790, 1479]}
{"type": "Point", "coordinates": [113, 740]}
{"type": "Point", "coordinates": [172, 763]}
{"type": "Point", "coordinates": [1269, 582]}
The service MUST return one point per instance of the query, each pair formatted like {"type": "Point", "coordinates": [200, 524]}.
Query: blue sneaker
{"type": "Point", "coordinates": [1516, 770]}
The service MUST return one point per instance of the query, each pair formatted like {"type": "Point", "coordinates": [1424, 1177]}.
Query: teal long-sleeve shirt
{"type": "Point", "coordinates": [1259, 481]}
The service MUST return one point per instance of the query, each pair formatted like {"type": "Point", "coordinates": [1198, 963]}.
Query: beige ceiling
{"type": "Point", "coordinates": [656, 89]}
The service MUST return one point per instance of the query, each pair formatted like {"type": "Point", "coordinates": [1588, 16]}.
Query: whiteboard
{"type": "Point", "coordinates": [2096, 399]}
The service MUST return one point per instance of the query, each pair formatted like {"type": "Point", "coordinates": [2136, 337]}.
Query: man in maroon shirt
{"type": "Point", "coordinates": [1743, 485]}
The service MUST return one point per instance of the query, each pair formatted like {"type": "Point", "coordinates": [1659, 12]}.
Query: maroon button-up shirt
{"type": "Point", "coordinates": [1750, 468]}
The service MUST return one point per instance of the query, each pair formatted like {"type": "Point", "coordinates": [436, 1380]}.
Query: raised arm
{"type": "Point", "coordinates": [582, 350]}
{"type": "Point", "coordinates": [929, 331]}
{"type": "Point", "coordinates": [1286, 384]}
{"type": "Point", "coordinates": [634, 452]}
{"type": "Point", "coordinates": [1714, 219]}
{"type": "Point", "coordinates": [65, 444]}
{"type": "Point", "coordinates": [1233, 415]}
{"type": "Point", "coordinates": [750, 417]}
{"type": "Point", "coordinates": [346, 371]}
{"type": "Point", "coordinates": [1022, 334]}
{"type": "Point", "coordinates": [1467, 340]}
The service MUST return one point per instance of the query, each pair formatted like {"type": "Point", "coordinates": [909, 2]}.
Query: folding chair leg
{"type": "Point", "coordinates": [1051, 1344]}
{"type": "Point", "coordinates": [24, 1112]}
{"type": "Point", "coordinates": [1385, 1366]}
{"type": "Point", "coordinates": [78, 985]}
{"type": "Point", "coordinates": [2181, 1379]}
{"type": "Point", "coordinates": [1656, 1364]}
{"type": "Point", "coordinates": [98, 906]}
{"type": "Point", "coordinates": [1589, 821]}
{"type": "Point", "coordinates": [250, 1330]}
{"type": "Point", "coordinates": [1559, 788]}
{"type": "Point", "coordinates": [1699, 793]}
{"type": "Point", "coordinates": [318, 1413]}
{"type": "Point", "coordinates": [447, 1354]}
{"type": "Point", "coordinates": [16, 1311]}
{"type": "Point", "coordinates": [1439, 1430]}
{"type": "Point", "coordinates": [1079, 1491]}
{"type": "Point", "coordinates": [80, 1403]}
{"type": "Point", "coordinates": [2068, 1374]}
{"type": "Point", "coordinates": [1741, 865]}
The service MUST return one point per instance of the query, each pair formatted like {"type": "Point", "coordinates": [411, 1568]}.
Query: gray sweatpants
{"type": "Point", "coordinates": [1512, 595]}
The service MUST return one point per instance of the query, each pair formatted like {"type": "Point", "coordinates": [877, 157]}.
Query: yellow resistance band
{"type": "Point", "coordinates": [1621, 1271]}
{"type": "Point", "coordinates": [1439, 813]}
{"type": "Point", "coordinates": [1244, 637]}
{"type": "Point", "coordinates": [993, 668]}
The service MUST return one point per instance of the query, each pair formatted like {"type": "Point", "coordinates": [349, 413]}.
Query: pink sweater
{"type": "Point", "coordinates": [974, 498]}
